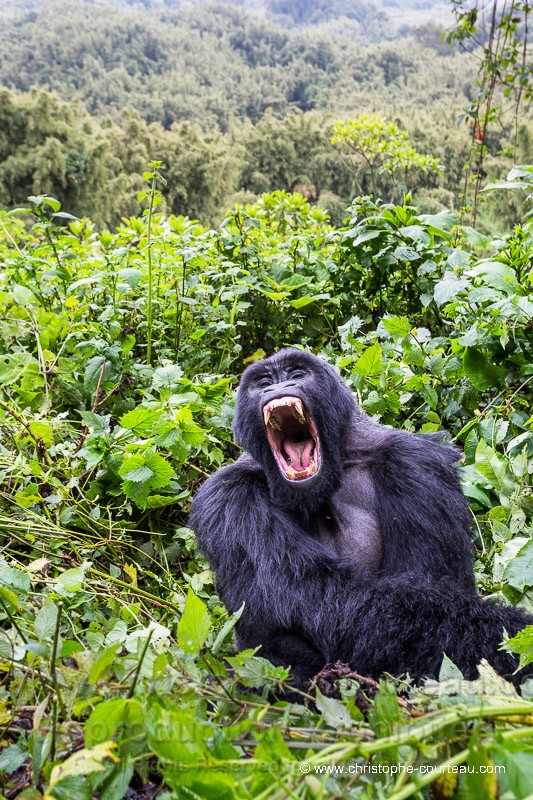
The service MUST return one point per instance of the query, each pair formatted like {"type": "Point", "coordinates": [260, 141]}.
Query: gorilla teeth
{"type": "Point", "coordinates": [298, 415]}
{"type": "Point", "coordinates": [304, 473]}
{"type": "Point", "coordinates": [284, 402]}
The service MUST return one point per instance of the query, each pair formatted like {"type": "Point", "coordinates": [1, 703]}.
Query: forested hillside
{"type": "Point", "coordinates": [207, 89]}
{"type": "Point", "coordinates": [186, 187]}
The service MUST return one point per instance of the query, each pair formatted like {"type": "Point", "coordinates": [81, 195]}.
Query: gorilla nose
{"type": "Point", "coordinates": [279, 389]}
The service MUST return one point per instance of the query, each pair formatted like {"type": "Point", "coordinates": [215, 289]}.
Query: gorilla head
{"type": "Point", "coordinates": [292, 414]}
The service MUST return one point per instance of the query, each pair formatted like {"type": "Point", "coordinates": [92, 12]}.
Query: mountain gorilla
{"type": "Point", "coordinates": [345, 540]}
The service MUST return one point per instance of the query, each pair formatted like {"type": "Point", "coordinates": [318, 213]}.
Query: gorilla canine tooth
{"type": "Point", "coordinates": [298, 415]}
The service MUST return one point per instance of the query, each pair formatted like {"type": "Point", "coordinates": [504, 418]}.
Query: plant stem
{"type": "Point", "coordinates": [150, 271]}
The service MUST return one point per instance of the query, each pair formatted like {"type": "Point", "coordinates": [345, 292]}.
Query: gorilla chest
{"type": "Point", "coordinates": [348, 525]}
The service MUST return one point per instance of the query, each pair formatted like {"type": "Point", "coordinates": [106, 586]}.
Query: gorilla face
{"type": "Point", "coordinates": [292, 412]}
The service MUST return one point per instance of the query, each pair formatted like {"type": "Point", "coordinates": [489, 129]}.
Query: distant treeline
{"type": "Point", "coordinates": [233, 102]}
{"type": "Point", "coordinates": [212, 63]}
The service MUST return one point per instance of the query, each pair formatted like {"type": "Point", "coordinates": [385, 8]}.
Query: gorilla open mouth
{"type": "Point", "coordinates": [293, 438]}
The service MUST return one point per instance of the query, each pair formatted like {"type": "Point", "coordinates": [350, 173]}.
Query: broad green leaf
{"type": "Point", "coordinates": [522, 644]}
{"type": "Point", "coordinates": [491, 465]}
{"type": "Point", "coordinates": [109, 716]}
{"type": "Point", "coordinates": [194, 624]}
{"type": "Point", "coordinates": [72, 579]}
{"type": "Point", "coordinates": [10, 597]}
{"type": "Point", "coordinates": [116, 785]}
{"type": "Point", "coordinates": [42, 430]}
{"type": "Point", "coordinates": [448, 671]}
{"type": "Point", "coordinates": [497, 276]}
{"type": "Point", "coordinates": [519, 571]}
{"type": "Point", "coordinates": [84, 762]}
{"type": "Point", "coordinates": [45, 620]}
{"type": "Point", "coordinates": [448, 288]}
{"type": "Point", "coordinates": [301, 302]}
{"type": "Point", "coordinates": [11, 758]}
{"type": "Point", "coordinates": [22, 295]}
{"type": "Point", "coordinates": [255, 671]}
{"type": "Point", "coordinates": [138, 474]}
{"type": "Point", "coordinates": [517, 776]}
{"type": "Point", "coordinates": [130, 276]}
{"type": "Point", "coordinates": [398, 327]}
{"type": "Point", "coordinates": [15, 579]}
{"type": "Point", "coordinates": [480, 372]}
{"type": "Point", "coordinates": [102, 664]}
{"type": "Point", "coordinates": [334, 712]}
{"type": "Point", "coordinates": [167, 377]}
{"type": "Point", "coordinates": [361, 238]}
{"type": "Point", "coordinates": [370, 363]}
{"type": "Point", "coordinates": [226, 629]}
{"type": "Point", "coordinates": [141, 420]}
{"type": "Point", "coordinates": [276, 296]}
{"type": "Point", "coordinates": [96, 366]}
{"type": "Point", "coordinates": [13, 366]}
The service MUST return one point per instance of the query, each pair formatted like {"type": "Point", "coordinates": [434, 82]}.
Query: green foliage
{"type": "Point", "coordinates": [117, 656]}
{"type": "Point", "coordinates": [381, 147]}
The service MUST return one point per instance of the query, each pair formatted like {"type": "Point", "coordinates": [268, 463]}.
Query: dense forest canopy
{"type": "Point", "coordinates": [134, 87]}
{"type": "Point", "coordinates": [209, 62]}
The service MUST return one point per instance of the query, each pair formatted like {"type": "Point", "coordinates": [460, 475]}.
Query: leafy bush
{"type": "Point", "coordinates": [115, 650]}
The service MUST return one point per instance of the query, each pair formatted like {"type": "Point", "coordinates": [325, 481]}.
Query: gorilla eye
{"type": "Point", "coordinates": [262, 383]}
{"type": "Point", "coordinates": [298, 374]}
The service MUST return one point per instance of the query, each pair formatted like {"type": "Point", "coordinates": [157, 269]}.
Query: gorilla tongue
{"type": "Point", "coordinates": [299, 453]}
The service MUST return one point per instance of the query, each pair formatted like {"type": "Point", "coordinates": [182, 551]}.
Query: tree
{"type": "Point", "coordinates": [371, 147]}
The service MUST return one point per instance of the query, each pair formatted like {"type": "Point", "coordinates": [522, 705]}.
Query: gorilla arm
{"type": "Point", "coordinates": [262, 557]}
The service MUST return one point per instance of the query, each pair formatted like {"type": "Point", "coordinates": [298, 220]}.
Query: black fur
{"type": "Point", "coordinates": [370, 562]}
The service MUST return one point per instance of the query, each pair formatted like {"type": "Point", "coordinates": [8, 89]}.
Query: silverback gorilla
{"type": "Point", "coordinates": [346, 540]}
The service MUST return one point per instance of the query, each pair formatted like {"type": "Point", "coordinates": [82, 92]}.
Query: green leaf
{"type": "Point", "coordinates": [480, 372]}
{"type": "Point", "coordinates": [522, 644]}
{"type": "Point", "coordinates": [139, 474]}
{"type": "Point", "coordinates": [448, 288]}
{"type": "Point", "coordinates": [398, 327]}
{"type": "Point", "coordinates": [10, 597]}
{"type": "Point", "coordinates": [45, 620]}
{"type": "Point", "coordinates": [517, 777]}
{"type": "Point", "coordinates": [334, 712]}
{"type": "Point", "coordinates": [94, 368]}
{"type": "Point", "coordinates": [492, 465]}
{"type": "Point", "coordinates": [84, 762]}
{"type": "Point", "coordinates": [116, 786]}
{"type": "Point", "coordinates": [102, 663]}
{"type": "Point", "coordinates": [194, 624]}
{"type": "Point", "coordinates": [72, 579]}
{"type": "Point", "coordinates": [370, 363]}
{"type": "Point", "coordinates": [519, 571]}
{"type": "Point", "coordinates": [167, 377]}
{"type": "Point", "coordinates": [108, 717]}
{"type": "Point", "coordinates": [226, 629]}
{"type": "Point", "coordinates": [15, 579]}
{"type": "Point", "coordinates": [13, 366]}
{"type": "Point", "coordinates": [141, 420]}
{"type": "Point", "coordinates": [43, 431]}
{"type": "Point", "coordinates": [255, 671]}
{"type": "Point", "coordinates": [449, 671]}
{"type": "Point", "coordinates": [301, 302]}
{"type": "Point", "coordinates": [12, 758]}
{"type": "Point", "coordinates": [497, 276]}
{"type": "Point", "coordinates": [130, 276]}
